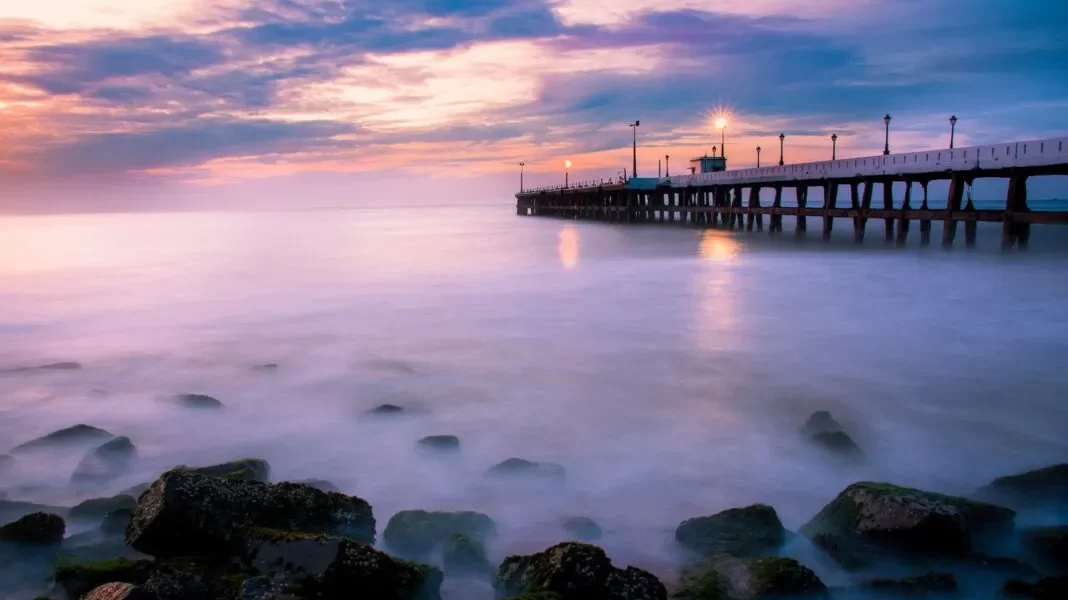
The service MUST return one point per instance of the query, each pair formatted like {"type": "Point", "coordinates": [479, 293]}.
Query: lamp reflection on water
{"type": "Point", "coordinates": [568, 247]}
{"type": "Point", "coordinates": [718, 246]}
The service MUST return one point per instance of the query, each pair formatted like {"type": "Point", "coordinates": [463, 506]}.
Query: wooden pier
{"type": "Point", "coordinates": [732, 199]}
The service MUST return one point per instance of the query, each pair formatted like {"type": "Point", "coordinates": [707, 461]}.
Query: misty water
{"type": "Point", "coordinates": [668, 369]}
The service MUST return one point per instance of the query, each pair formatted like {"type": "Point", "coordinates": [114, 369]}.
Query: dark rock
{"type": "Point", "coordinates": [36, 528]}
{"type": "Point", "coordinates": [186, 513]}
{"type": "Point", "coordinates": [536, 596]}
{"type": "Point", "coordinates": [726, 577]}
{"type": "Point", "coordinates": [418, 533]}
{"type": "Point", "coordinates": [77, 434]}
{"type": "Point", "coordinates": [11, 510]}
{"type": "Point", "coordinates": [319, 484]}
{"type": "Point", "coordinates": [440, 442]}
{"type": "Point", "coordinates": [1033, 490]}
{"type": "Point", "coordinates": [517, 467]}
{"type": "Point", "coordinates": [98, 508]}
{"type": "Point", "coordinates": [198, 401]}
{"type": "Point", "coordinates": [869, 522]}
{"type": "Point", "coordinates": [119, 591]}
{"type": "Point", "coordinates": [1049, 588]}
{"type": "Point", "coordinates": [59, 366]}
{"type": "Point", "coordinates": [839, 443]}
{"type": "Point", "coordinates": [466, 556]}
{"type": "Point", "coordinates": [335, 567]}
{"type": "Point", "coordinates": [167, 583]}
{"type": "Point", "coordinates": [751, 531]}
{"type": "Point", "coordinates": [386, 409]}
{"type": "Point", "coordinates": [81, 578]}
{"type": "Point", "coordinates": [821, 421]}
{"type": "Point", "coordinates": [267, 367]}
{"type": "Point", "coordinates": [136, 490]}
{"type": "Point", "coordinates": [583, 529]}
{"type": "Point", "coordinates": [115, 522]}
{"type": "Point", "coordinates": [106, 462]}
{"type": "Point", "coordinates": [930, 584]}
{"type": "Point", "coordinates": [245, 469]}
{"type": "Point", "coordinates": [1047, 546]}
{"type": "Point", "coordinates": [576, 571]}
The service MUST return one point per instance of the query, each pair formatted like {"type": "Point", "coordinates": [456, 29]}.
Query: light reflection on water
{"type": "Point", "coordinates": [668, 369]}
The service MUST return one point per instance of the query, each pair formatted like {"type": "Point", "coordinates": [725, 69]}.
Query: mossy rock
{"type": "Point", "coordinates": [78, 579]}
{"type": "Point", "coordinates": [418, 533]}
{"type": "Point", "coordinates": [76, 434]}
{"type": "Point", "coordinates": [244, 469]}
{"type": "Point", "coordinates": [583, 529]}
{"type": "Point", "coordinates": [466, 556]}
{"type": "Point", "coordinates": [701, 582]}
{"type": "Point", "coordinates": [198, 401]}
{"type": "Point", "coordinates": [36, 529]}
{"type": "Point", "coordinates": [98, 508]}
{"type": "Point", "coordinates": [750, 531]}
{"type": "Point", "coordinates": [522, 468]}
{"type": "Point", "coordinates": [440, 443]}
{"type": "Point", "coordinates": [929, 584]}
{"type": "Point", "coordinates": [1033, 490]}
{"type": "Point", "coordinates": [319, 484]}
{"type": "Point", "coordinates": [726, 577]}
{"type": "Point", "coordinates": [575, 571]}
{"type": "Point", "coordinates": [869, 522]}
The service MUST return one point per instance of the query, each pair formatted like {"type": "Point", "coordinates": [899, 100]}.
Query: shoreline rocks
{"type": "Point", "coordinates": [44, 529]}
{"type": "Point", "coordinates": [440, 443]}
{"type": "Point", "coordinates": [584, 529]}
{"type": "Point", "coordinates": [575, 571]}
{"type": "Point", "coordinates": [98, 508]}
{"type": "Point", "coordinates": [827, 433]}
{"type": "Point", "coordinates": [198, 401]}
{"type": "Point", "coordinates": [751, 531]}
{"type": "Point", "coordinates": [726, 577]}
{"type": "Point", "coordinates": [1032, 490]}
{"type": "Point", "coordinates": [417, 534]}
{"type": "Point", "coordinates": [521, 468]}
{"type": "Point", "coordinates": [106, 462]}
{"type": "Point", "coordinates": [73, 435]}
{"type": "Point", "coordinates": [243, 469]}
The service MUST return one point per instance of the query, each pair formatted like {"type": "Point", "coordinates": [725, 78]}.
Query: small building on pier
{"type": "Point", "coordinates": [708, 164]}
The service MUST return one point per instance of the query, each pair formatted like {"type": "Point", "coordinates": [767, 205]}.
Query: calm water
{"type": "Point", "coordinates": [667, 369]}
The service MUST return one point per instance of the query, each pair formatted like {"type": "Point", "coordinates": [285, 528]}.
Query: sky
{"type": "Point", "coordinates": [334, 101]}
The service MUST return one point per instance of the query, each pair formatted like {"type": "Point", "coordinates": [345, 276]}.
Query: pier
{"type": "Point", "coordinates": [828, 190]}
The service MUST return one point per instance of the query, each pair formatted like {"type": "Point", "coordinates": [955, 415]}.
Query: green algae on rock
{"type": "Point", "coordinates": [244, 469]}
{"type": "Point", "coordinates": [78, 579]}
{"type": "Point", "coordinates": [726, 577]}
{"type": "Point", "coordinates": [466, 556]}
{"type": "Point", "coordinates": [750, 531]}
{"type": "Point", "coordinates": [575, 571]}
{"type": "Point", "coordinates": [868, 522]}
{"type": "Point", "coordinates": [418, 533]}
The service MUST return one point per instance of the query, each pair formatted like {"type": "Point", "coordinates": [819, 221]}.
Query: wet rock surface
{"type": "Point", "coordinates": [751, 531]}
{"type": "Point", "coordinates": [575, 571]}
{"type": "Point", "coordinates": [726, 577]}
{"type": "Point", "coordinates": [522, 468]}
{"type": "Point", "coordinates": [244, 469]}
{"type": "Point", "coordinates": [418, 533]}
{"type": "Point", "coordinates": [76, 434]}
{"type": "Point", "coordinates": [1033, 490]}
{"type": "Point", "coordinates": [35, 529]}
{"type": "Point", "coordinates": [465, 556]}
{"type": "Point", "coordinates": [386, 410]}
{"type": "Point", "coordinates": [440, 443]}
{"type": "Point", "coordinates": [869, 522]}
{"type": "Point", "coordinates": [198, 401]}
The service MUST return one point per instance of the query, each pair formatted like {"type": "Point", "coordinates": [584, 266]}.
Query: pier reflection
{"type": "Point", "coordinates": [568, 247]}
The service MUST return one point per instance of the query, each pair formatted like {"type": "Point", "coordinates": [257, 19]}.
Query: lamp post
{"type": "Point", "coordinates": [886, 149]}
{"type": "Point", "coordinates": [521, 165]}
{"type": "Point", "coordinates": [782, 142]}
{"type": "Point", "coordinates": [758, 157]}
{"type": "Point", "coordinates": [667, 165]}
{"type": "Point", "coordinates": [634, 147]}
{"type": "Point", "coordinates": [721, 124]}
{"type": "Point", "coordinates": [567, 167]}
{"type": "Point", "coordinates": [713, 151]}
{"type": "Point", "coordinates": [834, 146]}
{"type": "Point", "coordinates": [952, 130]}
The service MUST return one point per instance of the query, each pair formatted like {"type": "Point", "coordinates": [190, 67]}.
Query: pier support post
{"type": "Point", "coordinates": [925, 223]}
{"type": "Point", "coordinates": [830, 201]}
{"type": "Point", "coordinates": [1016, 202]}
{"type": "Point", "coordinates": [802, 204]}
{"type": "Point", "coordinates": [903, 221]}
{"type": "Point", "coordinates": [754, 202]}
{"type": "Point", "coordinates": [861, 222]}
{"type": "Point", "coordinates": [739, 216]}
{"type": "Point", "coordinates": [888, 205]}
{"type": "Point", "coordinates": [971, 226]}
{"type": "Point", "coordinates": [776, 218]}
{"type": "Point", "coordinates": [949, 223]}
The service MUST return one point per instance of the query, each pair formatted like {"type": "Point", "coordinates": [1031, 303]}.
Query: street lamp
{"type": "Point", "coordinates": [713, 152]}
{"type": "Point", "coordinates": [758, 157]}
{"type": "Point", "coordinates": [567, 166]}
{"type": "Point", "coordinates": [634, 147]}
{"type": "Point", "coordinates": [834, 146]}
{"type": "Point", "coordinates": [667, 165]}
{"type": "Point", "coordinates": [721, 125]}
{"type": "Point", "coordinates": [886, 150]}
{"type": "Point", "coordinates": [521, 165]}
{"type": "Point", "coordinates": [952, 130]}
{"type": "Point", "coordinates": [782, 141]}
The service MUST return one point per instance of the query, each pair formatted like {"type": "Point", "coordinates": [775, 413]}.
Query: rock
{"type": "Point", "coordinates": [336, 567]}
{"type": "Point", "coordinates": [576, 571]}
{"type": "Point", "coordinates": [446, 443]}
{"type": "Point", "coordinates": [869, 522]}
{"type": "Point", "coordinates": [119, 591]}
{"type": "Point", "coordinates": [751, 531]}
{"type": "Point", "coordinates": [517, 467]}
{"type": "Point", "coordinates": [11, 510]}
{"type": "Point", "coordinates": [186, 513]}
{"type": "Point", "coordinates": [418, 533]}
{"type": "Point", "coordinates": [77, 434]}
{"type": "Point", "coordinates": [821, 421]}
{"type": "Point", "coordinates": [583, 529]}
{"type": "Point", "coordinates": [839, 443]}
{"type": "Point", "coordinates": [267, 367]}
{"type": "Point", "coordinates": [167, 583]}
{"type": "Point", "coordinates": [466, 556]}
{"type": "Point", "coordinates": [1047, 546]}
{"type": "Point", "coordinates": [1049, 588]}
{"type": "Point", "coordinates": [1033, 490]}
{"type": "Point", "coordinates": [36, 528]}
{"type": "Point", "coordinates": [245, 469]}
{"type": "Point", "coordinates": [198, 401]}
{"type": "Point", "coordinates": [536, 596]}
{"type": "Point", "coordinates": [59, 366]}
{"type": "Point", "coordinates": [319, 484]}
{"type": "Point", "coordinates": [115, 522]}
{"type": "Point", "coordinates": [386, 409]}
{"type": "Point", "coordinates": [98, 508]}
{"type": "Point", "coordinates": [930, 584]}
{"type": "Point", "coordinates": [105, 463]}
{"type": "Point", "coordinates": [726, 577]}
{"type": "Point", "coordinates": [136, 490]}
{"type": "Point", "coordinates": [81, 578]}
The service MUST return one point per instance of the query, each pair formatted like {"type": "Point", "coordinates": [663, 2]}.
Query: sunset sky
{"type": "Point", "coordinates": [231, 99]}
